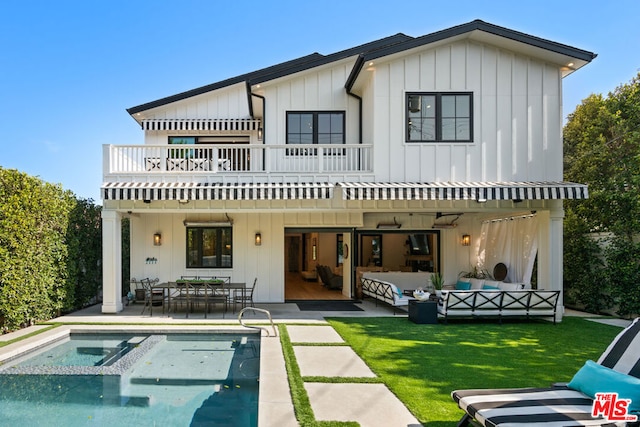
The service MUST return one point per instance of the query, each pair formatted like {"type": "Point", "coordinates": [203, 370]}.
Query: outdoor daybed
{"type": "Point", "coordinates": [617, 371]}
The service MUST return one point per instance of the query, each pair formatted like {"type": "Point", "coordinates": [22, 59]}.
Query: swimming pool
{"type": "Point", "coordinates": [142, 379]}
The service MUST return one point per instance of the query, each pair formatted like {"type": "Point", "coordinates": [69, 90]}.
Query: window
{"type": "Point", "coordinates": [445, 117]}
{"type": "Point", "coordinates": [315, 127]}
{"type": "Point", "coordinates": [209, 247]}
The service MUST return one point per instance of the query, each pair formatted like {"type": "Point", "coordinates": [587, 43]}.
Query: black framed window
{"type": "Point", "coordinates": [315, 127]}
{"type": "Point", "coordinates": [439, 117]}
{"type": "Point", "coordinates": [209, 247]}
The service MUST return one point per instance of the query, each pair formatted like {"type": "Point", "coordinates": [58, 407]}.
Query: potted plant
{"type": "Point", "coordinates": [437, 280]}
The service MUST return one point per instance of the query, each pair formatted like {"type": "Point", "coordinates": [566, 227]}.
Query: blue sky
{"type": "Point", "coordinates": [69, 69]}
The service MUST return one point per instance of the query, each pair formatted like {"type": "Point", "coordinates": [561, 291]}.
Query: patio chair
{"type": "Point", "coordinates": [561, 404]}
{"type": "Point", "coordinates": [244, 297]}
{"type": "Point", "coordinates": [218, 294]}
{"type": "Point", "coordinates": [182, 295]}
{"type": "Point", "coordinates": [151, 297]}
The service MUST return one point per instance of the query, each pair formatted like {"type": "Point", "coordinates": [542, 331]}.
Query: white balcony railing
{"type": "Point", "coordinates": [236, 158]}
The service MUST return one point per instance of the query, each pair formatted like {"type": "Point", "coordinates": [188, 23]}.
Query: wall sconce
{"type": "Point", "coordinates": [260, 134]}
{"type": "Point", "coordinates": [466, 240]}
{"type": "Point", "coordinates": [314, 250]}
{"type": "Point", "coordinates": [258, 239]}
{"type": "Point", "coordinates": [157, 239]}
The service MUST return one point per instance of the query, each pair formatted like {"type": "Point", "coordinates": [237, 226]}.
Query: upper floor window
{"type": "Point", "coordinates": [439, 116]}
{"type": "Point", "coordinates": [315, 127]}
{"type": "Point", "coordinates": [209, 247]}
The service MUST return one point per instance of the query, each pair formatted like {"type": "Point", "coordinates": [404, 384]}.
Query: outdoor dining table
{"type": "Point", "coordinates": [195, 288]}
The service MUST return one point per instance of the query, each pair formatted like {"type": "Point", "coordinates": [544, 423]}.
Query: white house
{"type": "Point", "coordinates": [385, 154]}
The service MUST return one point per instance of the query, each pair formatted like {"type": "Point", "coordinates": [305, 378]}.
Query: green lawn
{"type": "Point", "coordinates": [422, 364]}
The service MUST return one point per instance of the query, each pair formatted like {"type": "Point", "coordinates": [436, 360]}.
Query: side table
{"type": "Point", "coordinates": [423, 312]}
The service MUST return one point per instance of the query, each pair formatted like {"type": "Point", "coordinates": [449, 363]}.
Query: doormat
{"type": "Point", "coordinates": [327, 306]}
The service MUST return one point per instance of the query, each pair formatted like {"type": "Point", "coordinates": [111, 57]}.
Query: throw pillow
{"type": "Point", "coordinates": [463, 286]}
{"type": "Point", "coordinates": [490, 288]}
{"type": "Point", "coordinates": [593, 378]}
{"type": "Point", "coordinates": [398, 291]}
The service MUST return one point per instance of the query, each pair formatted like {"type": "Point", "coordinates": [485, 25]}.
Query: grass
{"type": "Point", "coordinates": [423, 364]}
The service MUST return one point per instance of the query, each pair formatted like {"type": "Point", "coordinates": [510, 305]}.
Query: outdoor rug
{"type": "Point", "coordinates": [327, 306]}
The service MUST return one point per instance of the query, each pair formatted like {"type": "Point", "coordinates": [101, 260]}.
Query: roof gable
{"type": "Point", "coordinates": [482, 31]}
{"type": "Point", "coordinates": [385, 47]}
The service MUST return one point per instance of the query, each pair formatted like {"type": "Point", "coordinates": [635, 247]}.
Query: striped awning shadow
{"type": "Point", "coordinates": [150, 191]}
{"type": "Point", "coordinates": [477, 191]}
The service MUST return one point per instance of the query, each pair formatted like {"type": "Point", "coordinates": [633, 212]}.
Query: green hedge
{"type": "Point", "coordinates": [49, 250]}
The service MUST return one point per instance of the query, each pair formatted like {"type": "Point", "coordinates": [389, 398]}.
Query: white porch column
{"type": "Point", "coordinates": [550, 255]}
{"type": "Point", "coordinates": [111, 261]}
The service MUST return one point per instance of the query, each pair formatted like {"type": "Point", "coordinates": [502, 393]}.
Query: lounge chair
{"type": "Point", "coordinates": [559, 405]}
{"type": "Point", "coordinates": [329, 280]}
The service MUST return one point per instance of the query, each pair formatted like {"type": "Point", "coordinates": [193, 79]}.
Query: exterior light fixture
{"type": "Point", "coordinates": [260, 133]}
{"type": "Point", "coordinates": [157, 239]}
{"type": "Point", "coordinates": [258, 239]}
{"type": "Point", "coordinates": [466, 240]}
{"type": "Point", "coordinates": [394, 224]}
{"type": "Point", "coordinates": [314, 250]}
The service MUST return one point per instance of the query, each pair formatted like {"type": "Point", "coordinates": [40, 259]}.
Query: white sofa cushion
{"type": "Point", "coordinates": [510, 286]}
{"type": "Point", "coordinates": [476, 283]}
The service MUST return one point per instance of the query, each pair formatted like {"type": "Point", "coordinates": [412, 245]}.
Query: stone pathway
{"type": "Point", "coordinates": [371, 405]}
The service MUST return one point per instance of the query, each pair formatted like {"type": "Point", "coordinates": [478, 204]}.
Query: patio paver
{"type": "Point", "coordinates": [371, 405]}
{"type": "Point", "coordinates": [330, 361]}
{"type": "Point", "coordinates": [316, 334]}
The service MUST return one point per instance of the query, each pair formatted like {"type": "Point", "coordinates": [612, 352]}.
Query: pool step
{"type": "Point", "coordinates": [136, 340]}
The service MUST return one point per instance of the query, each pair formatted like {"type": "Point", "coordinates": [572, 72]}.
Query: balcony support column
{"type": "Point", "coordinates": [111, 261]}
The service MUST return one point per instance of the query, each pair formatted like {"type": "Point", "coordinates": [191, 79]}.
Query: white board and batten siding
{"type": "Point", "coordinates": [225, 103]}
{"type": "Point", "coordinates": [516, 114]}
{"type": "Point", "coordinates": [314, 90]}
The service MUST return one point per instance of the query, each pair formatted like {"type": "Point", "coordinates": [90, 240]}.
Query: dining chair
{"type": "Point", "coordinates": [219, 291]}
{"type": "Point", "coordinates": [151, 297]}
{"type": "Point", "coordinates": [182, 295]}
{"type": "Point", "coordinates": [244, 296]}
{"type": "Point", "coordinates": [217, 295]}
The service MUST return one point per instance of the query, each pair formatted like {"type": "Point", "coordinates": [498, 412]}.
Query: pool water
{"type": "Point", "coordinates": [131, 379]}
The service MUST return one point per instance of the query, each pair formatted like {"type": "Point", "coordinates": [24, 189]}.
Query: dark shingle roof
{"type": "Point", "coordinates": [367, 52]}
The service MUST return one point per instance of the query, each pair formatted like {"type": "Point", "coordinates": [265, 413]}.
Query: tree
{"type": "Point", "coordinates": [602, 149]}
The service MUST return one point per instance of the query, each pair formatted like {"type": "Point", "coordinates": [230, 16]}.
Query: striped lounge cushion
{"type": "Point", "coordinates": [554, 406]}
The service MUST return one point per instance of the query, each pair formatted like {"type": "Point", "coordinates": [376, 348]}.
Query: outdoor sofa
{"type": "Point", "coordinates": [498, 303]}
{"type": "Point", "coordinates": [384, 292]}
{"type": "Point", "coordinates": [616, 371]}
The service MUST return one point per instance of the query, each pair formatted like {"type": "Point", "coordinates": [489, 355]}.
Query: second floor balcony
{"type": "Point", "coordinates": [234, 159]}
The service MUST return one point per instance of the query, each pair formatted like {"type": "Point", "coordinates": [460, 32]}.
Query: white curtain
{"type": "Point", "coordinates": [513, 242]}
